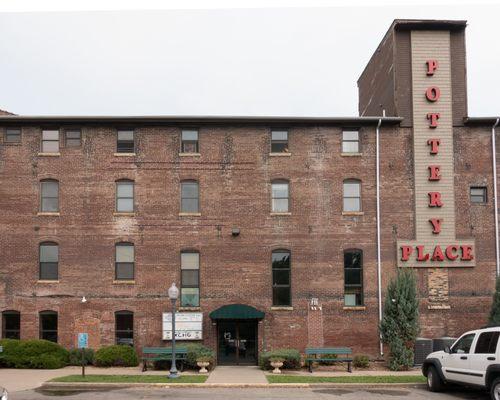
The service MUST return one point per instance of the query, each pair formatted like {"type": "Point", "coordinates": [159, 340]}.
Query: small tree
{"type": "Point", "coordinates": [495, 307]}
{"type": "Point", "coordinates": [400, 326]}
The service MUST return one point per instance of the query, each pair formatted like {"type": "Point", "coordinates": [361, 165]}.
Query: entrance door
{"type": "Point", "coordinates": [237, 342]}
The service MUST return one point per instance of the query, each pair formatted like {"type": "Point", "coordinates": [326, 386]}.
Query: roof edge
{"type": "Point", "coordinates": [481, 120]}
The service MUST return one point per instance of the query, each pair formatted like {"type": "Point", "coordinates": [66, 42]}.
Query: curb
{"type": "Point", "coordinates": [80, 386]}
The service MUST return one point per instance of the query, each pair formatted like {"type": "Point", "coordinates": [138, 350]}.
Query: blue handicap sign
{"type": "Point", "coordinates": [83, 340]}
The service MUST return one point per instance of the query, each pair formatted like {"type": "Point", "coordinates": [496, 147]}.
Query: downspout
{"type": "Point", "coordinates": [379, 266]}
{"type": "Point", "coordinates": [494, 151]}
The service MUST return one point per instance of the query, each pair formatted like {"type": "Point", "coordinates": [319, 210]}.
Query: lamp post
{"type": "Point", "coordinates": [173, 294]}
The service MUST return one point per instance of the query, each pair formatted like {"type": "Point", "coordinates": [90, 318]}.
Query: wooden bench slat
{"type": "Point", "coordinates": [320, 352]}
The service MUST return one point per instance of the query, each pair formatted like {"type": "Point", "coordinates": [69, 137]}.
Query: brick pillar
{"type": "Point", "coordinates": [315, 337]}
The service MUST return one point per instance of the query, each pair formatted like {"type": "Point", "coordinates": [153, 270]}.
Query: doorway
{"type": "Point", "coordinates": [237, 342]}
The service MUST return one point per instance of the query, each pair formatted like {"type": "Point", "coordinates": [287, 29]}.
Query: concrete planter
{"type": "Point", "coordinates": [203, 366]}
{"type": "Point", "coordinates": [276, 365]}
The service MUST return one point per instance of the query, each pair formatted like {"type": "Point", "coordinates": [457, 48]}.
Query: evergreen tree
{"type": "Point", "coordinates": [400, 325]}
{"type": "Point", "coordinates": [495, 307]}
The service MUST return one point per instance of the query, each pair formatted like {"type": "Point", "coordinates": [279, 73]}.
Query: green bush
{"type": "Point", "coordinates": [75, 357]}
{"type": "Point", "coordinates": [195, 351]}
{"type": "Point", "coordinates": [494, 318]}
{"type": "Point", "coordinates": [361, 361]}
{"type": "Point", "coordinates": [291, 357]}
{"type": "Point", "coordinates": [116, 356]}
{"type": "Point", "coordinates": [40, 354]}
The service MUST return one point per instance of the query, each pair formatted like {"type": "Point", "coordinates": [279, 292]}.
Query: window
{"type": "Point", "coordinates": [190, 141]}
{"type": "Point", "coordinates": [124, 264]}
{"type": "Point", "coordinates": [190, 197]}
{"type": "Point", "coordinates": [11, 325]}
{"type": "Point", "coordinates": [49, 261]}
{"type": "Point", "coordinates": [49, 201]}
{"type": "Point", "coordinates": [124, 327]}
{"type": "Point", "coordinates": [190, 279]}
{"type": "Point", "coordinates": [350, 141]}
{"type": "Point", "coordinates": [279, 142]}
{"type": "Point", "coordinates": [73, 138]}
{"type": "Point", "coordinates": [125, 196]}
{"type": "Point", "coordinates": [125, 142]}
{"type": "Point", "coordinates": [352, 195]}
{"type": "Point", "coordinates": [478, 195]}
{"type": "Point", "coordinates": [50, 141]}
{"type": "Point", "coordinates": [48, 326]}
{"type": "Point", "coordinates": [353, 278]}
{"type": "Point", "coordinates": [12, 135]}
{"type": "Point", "coordinates": [463, 344]}
{"type": "Point", "coordinates": [487, 343]}
{"type": "Point", "coordinates": [281, 278]}
{"type": "Point", "coordinates": [279, 196]}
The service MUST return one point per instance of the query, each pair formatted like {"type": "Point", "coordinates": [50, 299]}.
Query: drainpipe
{"type": "Point", "coordinates": [494, 151]}
{"type": "Point", "coordinates": [379, 266]}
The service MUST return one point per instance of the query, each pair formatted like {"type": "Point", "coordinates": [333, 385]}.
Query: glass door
{"type": "Point", "coordinates": [237, 343]}
{"type": "Point", "coordinates": [227, 343]}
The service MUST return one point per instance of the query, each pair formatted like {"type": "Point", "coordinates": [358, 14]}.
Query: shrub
{"type": "Point", "coordinates": [75, 357]}
{"type": "Point", "coordinates": [116, 356]}
{"type": "Point", "coordinates": [361, 361]}
{"type": "Point", "coordinates": [494, 318]}
{"type": "Point", "coordinates": [399, 326]}
{"type": "Point", "coordinates": [40, 354]}
{"type": "Point", "coordinates": [291, 358]}
{"type": "Point", "coordinates": [196, 351]}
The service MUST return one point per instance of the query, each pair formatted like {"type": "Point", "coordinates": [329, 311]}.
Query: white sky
{"type": "Point", "coordinates": [277, 58]}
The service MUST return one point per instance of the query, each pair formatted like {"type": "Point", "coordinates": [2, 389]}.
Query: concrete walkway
{"type": "Point", "coordinates": [249, 375]}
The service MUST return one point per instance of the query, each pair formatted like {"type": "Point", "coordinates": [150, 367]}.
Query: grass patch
{"type": "Point", "coordinates": [346, 379]}
{"type": "Point", "coordinates": [131, 379]}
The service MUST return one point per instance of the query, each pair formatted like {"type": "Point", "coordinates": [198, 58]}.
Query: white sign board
{"type": "Point", "coordinates": [188, 326]}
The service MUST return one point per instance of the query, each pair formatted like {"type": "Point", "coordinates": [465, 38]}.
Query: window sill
{"type": "Point", "coordinates": [354, 308]}
{"type": "Point", "coordinates": [47, 281]}
{"type": "Point", "coordinates": [281, 214]}
{"type": "Point", "coordinates": [189, 154]}
{"type": "Point", "coordinates": [189, 309]}
{"type": "Point", "coordinates": [281, 308]}
{"type": "Point", "coordinates": [124, 214]}
{"type": "Point", "coordinates": [351, 154]}
{"type": "Point", "coordinates": [49, 154]}
{"type": "Point", "coordinates": [280, 154]}
{"type": "Point", "coordinates": [124, 154]}
{"type": "Point", "coordinates": [12, 143]}
{"type": "Point", "coordinates": [123, 282]}
{"type": "Point", "coordinates": [48, 214]}
{"type": "Point", "coordinates": [352, 213]}
{"type": "Point", "coordinates": [189, 214]}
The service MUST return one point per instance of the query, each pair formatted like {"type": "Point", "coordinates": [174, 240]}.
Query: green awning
{"type": "Point", "coordinates": [236, 311]}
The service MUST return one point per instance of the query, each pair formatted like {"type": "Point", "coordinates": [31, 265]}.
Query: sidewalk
{"type": "Point", "coordinates": [237, 375]}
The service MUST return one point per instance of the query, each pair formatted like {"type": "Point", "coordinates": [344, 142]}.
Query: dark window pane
{"type": "Point", "coordinates": [281, 259]}
{"type": "Point", "coordinates": [279, 147]}
{"type": "Point", "coordinates": [281, 296]}
{"type": "Point", "coordinates": [48, 326]}
{"type": "Point", "coordinates": [73, 138]}
{"type": "Point", "coordinates": [12, 135]}
{"type": "Point", "coordinates": [190, 277]}
{"type": "Point", "coordinates": [49, 271]}
{"type": "Point", "coordinates": [478, 195]}
{"type": "Point", "coordinates": [11, 325]}
{"type": "Point", "coordinates": [487, 343]}
{"type": "Point", "coordinates": [352, 259]}
{"type": "Point", "coordinates": [125, 142]}
{"type": "Point", "coordinates": [352, 276]}
{"type": "Point", "coordinates": [124, 328]}
{"type": "Point", "coordinates": [464, 344]}
{"type": "Point", "coordinates": [281, 277]}
{"type": "Point", "coordinates": [124, 271]}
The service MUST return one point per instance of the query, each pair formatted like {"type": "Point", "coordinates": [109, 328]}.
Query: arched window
{"type": "Point", "coordinates": [279, 196]}
{"type": "Point", "coordinates": [48, 325]}
{"type": "Point", "coordinates": [190, 279]}
{"type": "Point", "coordinates": [124, 261]}
{"type": "Point", "coordinates": [49, 261]}
{"type": "Point", "coordinates": [352, 195]}
{"type": "Point", "coordinates": [124, 196]}
{"type": "Point", "coordinates": [49, 195]}
{"type": "Point", "coordinates": [124, 327]}
{"type": "Point", "coordinates": [281, 278]}
{"type": "Point", "coordinates": [353, 277]}
{"type": "Point", "coordinates": [11, 324]}
{"type": "Point", "coordinates": [190, 197]}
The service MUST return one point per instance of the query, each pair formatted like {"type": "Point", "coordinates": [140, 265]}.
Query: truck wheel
{"type": "Point", "coordinates": [495, 389]}
{"type": "Point", "coordinates": [434, 382]}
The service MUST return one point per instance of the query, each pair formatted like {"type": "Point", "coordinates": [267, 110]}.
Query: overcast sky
{"type": "Point", "coordinates": [269, 61]}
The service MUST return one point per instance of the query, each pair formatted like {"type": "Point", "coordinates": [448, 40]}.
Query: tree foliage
{"type": "Point", "coordinates": [400, 325]}
{"type": "Point", "coordinates": [495, 307]}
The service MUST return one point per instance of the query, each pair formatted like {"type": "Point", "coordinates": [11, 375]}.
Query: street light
{"type": "Point", "coordinates": [173, 294]}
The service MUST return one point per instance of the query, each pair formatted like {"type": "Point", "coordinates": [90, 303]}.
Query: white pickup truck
{"type": "Point", "coordinates": [473, 360]}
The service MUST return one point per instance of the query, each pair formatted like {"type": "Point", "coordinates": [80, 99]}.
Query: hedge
{"type": "Point", "coordinates": [361, 361]}
{"type": "Point", "coordinates": [194, 351]}
{"type": "Point", "coordinates": [75, 356]}
{"type": "Point", "coordinates": [119, 355]}
{"type": "Point", "coordinates": [291, 357]}
{"type": "Point", "coordinates": [40, 354]}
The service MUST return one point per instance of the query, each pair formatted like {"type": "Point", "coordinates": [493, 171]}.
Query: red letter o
{"type": "Point", "coordinates": [433, 93]}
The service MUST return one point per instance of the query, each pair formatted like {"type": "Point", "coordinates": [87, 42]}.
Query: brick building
{"type": "Point", "coordinates": [269, 226]}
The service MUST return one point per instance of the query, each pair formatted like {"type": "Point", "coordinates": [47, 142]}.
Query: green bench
{"type": "Point", "coordinates": [163, 354]}
{"type": "Point", "coordinates": [343, 354]}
